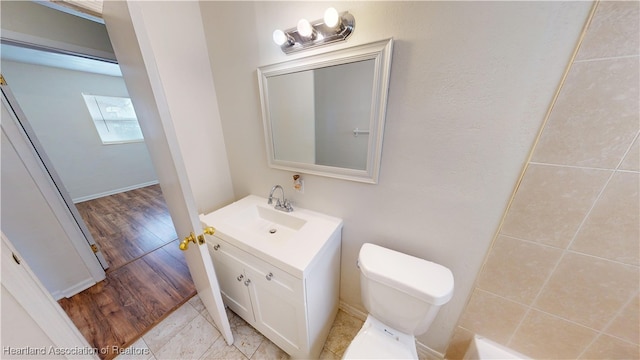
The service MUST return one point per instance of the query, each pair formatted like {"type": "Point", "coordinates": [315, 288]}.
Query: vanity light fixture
{"type": "Point", "coordinates": [332, 28]}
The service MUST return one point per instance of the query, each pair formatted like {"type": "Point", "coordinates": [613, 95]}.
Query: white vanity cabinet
{"type": "Point", "coordinates": [279, 271]}
{"type": "Point", "coordinates": [268, 298]}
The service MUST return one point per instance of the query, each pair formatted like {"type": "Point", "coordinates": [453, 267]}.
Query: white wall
{"type": "Point", "coordinates": [51, 98]}
{"type": "Point", "coordinates": [470, 85]}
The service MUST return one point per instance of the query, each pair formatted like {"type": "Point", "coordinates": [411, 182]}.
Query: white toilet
{"type": "Point", "coordinates": [402, 294]}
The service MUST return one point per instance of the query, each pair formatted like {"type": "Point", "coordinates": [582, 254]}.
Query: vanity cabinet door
{"type": "Point", "coordinates": [278, 306]}
{"type": "Point", "coordinates": [232, 279]}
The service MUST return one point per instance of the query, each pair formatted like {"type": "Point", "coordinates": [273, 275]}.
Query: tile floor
{"type": "Point", "coordinates": [188, 333]}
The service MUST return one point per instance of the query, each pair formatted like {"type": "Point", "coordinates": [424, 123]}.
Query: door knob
{"type": "Point", "coordinates": [184, 245]}
{"type": "Point", "coordinates": [209, 230]}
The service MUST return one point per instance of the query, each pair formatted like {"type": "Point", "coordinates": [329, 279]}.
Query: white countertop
{"type": "Point", "coordinates": [293, 254]}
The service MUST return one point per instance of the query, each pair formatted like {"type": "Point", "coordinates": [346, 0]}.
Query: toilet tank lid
{"type": "Point", "coordinates": [418, 277]}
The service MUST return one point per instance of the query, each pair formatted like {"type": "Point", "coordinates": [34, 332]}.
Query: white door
{"type": "Point", "coordinates": [132, 27]}
{"type": "Point", "coordinates": [37, 211]}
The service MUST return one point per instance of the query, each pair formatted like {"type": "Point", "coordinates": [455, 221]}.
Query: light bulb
{"type": "Point", "coordinates": [331, 17]}
{"type": "Point", "coordinates": [304, 28]}
{"type": "Point", "coordinates": [279, 37]}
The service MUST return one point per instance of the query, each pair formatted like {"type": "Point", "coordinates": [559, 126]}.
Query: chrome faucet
{"type": "Point", "coordinates": [283, 205]}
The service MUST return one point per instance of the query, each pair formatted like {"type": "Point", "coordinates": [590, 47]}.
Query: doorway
{"type": "Point", "coordinates": [147, 277]}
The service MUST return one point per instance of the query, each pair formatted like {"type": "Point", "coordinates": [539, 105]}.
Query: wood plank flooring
{"type": "Point", "coordinates": [148, 276]}
{"type": "Point", "coordinates": [129, 224]}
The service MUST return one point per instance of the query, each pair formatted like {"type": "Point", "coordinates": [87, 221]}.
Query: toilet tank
{"type": "Point", "coordinates": [402, 291]}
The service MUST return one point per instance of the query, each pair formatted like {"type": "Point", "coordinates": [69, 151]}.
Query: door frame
{"type": "Point", "coordinates": [145, 86]}
{"type": "Point", "coordinates": [35, 159]}
{"type": "Point", "coordinates": [20, 281]}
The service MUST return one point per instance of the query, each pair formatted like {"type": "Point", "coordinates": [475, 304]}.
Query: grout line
{"type": "Point", "coordinates": [608, 58]}
{"type": "Point", "coordinates": [532, 242]}
{"type": "Point", "coordinates": [534, 300]}
{"type": "Point", "coordinates": [571, 166]}
{"type": "Point", "coordinates": [530, 308]}
{"type": "Point", "coordinates": [601, 258]}
{"type": "Point", "coordinates": [602, 332]}
{"type": "Point", "coordinates": [624, 156]}
{"type": "Point", "coordinates": [586, 216]}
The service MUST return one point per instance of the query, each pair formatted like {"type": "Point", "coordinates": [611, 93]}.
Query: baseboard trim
{"type": "Point", "coordinates": [113, 192]}
{"type": "Point", "coordinates": [72, 290]}
{"type": "Point", "coordinates": [427, 353]}
{"type": "Point", "coordinates": [355, 312]}
{"type": "Point", "coordinates": [424, 352]}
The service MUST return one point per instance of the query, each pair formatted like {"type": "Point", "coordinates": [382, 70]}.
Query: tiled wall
{"type": "Point", "coordinates": [561, 280]}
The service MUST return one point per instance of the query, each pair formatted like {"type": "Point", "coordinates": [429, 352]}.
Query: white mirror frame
{"type": "Point", "coordinates": [380, 52]}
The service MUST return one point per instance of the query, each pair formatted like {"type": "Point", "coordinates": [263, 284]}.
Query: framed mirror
{"type": "Point", "coordinates": [325, 114]}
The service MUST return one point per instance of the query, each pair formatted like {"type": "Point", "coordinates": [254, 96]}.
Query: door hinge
{"type": "Point", "coordinates": [2, 81]}
{"type": "Point", "coordinates": [94, 248]}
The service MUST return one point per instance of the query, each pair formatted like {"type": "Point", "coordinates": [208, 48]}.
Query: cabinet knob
{"type": "Point", "coordinates": [216, 247]}
{"type": "Point", "coordinates": [240, 277]}
{"type": "Point", "coordinates": [269, 276]}
{"type": "Point", "coordinates": [247, 282]}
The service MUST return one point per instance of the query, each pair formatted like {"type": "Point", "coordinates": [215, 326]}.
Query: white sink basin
{"type": "Point", "coordinates": [268, 222]}
{"type": "Point", "coordinates": [288, 239]}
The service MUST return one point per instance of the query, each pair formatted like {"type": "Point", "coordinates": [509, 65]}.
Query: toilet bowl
{"type": "Point", "coordinates": [402, 295]}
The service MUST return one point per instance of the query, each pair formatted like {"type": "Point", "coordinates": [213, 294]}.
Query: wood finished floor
{"type": "Point", "coordinates": [148, 276]}
{"type": "Point", "coordinates": [129, 224]}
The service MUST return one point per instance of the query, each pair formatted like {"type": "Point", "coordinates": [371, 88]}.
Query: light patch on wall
{"type": "Point", "coordinates": [114, 119]}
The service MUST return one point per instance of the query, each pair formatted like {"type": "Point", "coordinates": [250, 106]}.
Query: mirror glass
{"type": "Point", "coordinates": [324, 114]}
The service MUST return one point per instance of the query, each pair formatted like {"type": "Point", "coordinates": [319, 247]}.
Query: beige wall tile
{"type": "Point", "coordinates": [588, 290]}
{"type": "Point", "coordinates": [517, 269]}
{"type": "Point", "coordinates": [596, 116]}
{"type": "Point", "coordinates": [592, 125]}
{"type": "Point", "coordinates": [607, 347]}
{"type": "Point", "coordinates": [543, 336]}
{"type": "Point", "coordinates": [612, 229]}
{"type": "Point", "coordinates": [491, 316]}
{"type": "Point", "coordinates": [632, 160]}
{"type": "Point", "coordinates": [460, 341]}
{"type": "Point", "coordinates": [551, 203]}
{"type": "Point", "coordinates": [613, 31]}
{"type": "Point", "coordinates": [627, 324]}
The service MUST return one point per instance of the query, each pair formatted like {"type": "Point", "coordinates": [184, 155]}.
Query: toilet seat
{"type": "Point", "coordinates": [373, 341]}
